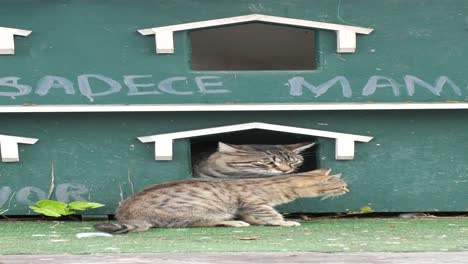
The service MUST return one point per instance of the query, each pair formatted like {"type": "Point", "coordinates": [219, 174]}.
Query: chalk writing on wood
{"type": "Point", "coordinates": [373, 85]}
{"type": "Point", "coordinates": [64, 192]}
{"type": "Point", "coordinates": [96, 85]}
{"type": "Point", "coordinates": [91, 86]}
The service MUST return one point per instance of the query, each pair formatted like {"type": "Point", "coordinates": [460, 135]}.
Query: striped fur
{"type": "Point", "coordinates": [220, 202]}
{"type": "Point", "coordinates": [234, 161]}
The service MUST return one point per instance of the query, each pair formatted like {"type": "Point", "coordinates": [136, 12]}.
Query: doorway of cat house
{"type": "Point", "coordinates": [253, 47]}
{"type": "Point", "coordinates": [252, 153]}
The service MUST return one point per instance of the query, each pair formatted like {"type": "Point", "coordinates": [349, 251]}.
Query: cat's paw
{"type": "Point", "coordinates": [289, 223]}
{"type": "Point", "coordinates": [236, 223]}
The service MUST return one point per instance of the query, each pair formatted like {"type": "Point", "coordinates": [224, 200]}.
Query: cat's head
{"type": "Point", "coordinates": [262, 160]}
{"type": "Point", "coordinates": [318, 183]}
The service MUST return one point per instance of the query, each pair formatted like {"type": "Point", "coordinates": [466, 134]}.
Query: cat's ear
{"type": "Point", "coordinates": [228, 148]}
{"type": "Point", "coordinates": [299, 147]}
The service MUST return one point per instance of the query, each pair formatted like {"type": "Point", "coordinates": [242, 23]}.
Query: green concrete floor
{"type": "Point", "coordinates": [322, 235]}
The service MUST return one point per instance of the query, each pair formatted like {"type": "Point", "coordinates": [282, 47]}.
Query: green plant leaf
{"type": "Point", "coordinates": [363, 210]}
{"type": "Point", "coordinates": [52, 208]}
{"type": "Point", "coordinates": [51, 203]}
{"type": "Point", "coordinates": [366, 209]}
{"type": "Point", "coordinates": [95, 205]}
{"type": "Point", "coordinates": [68, 212]}
{"type": "Point", "coordinates": [57, 209]}
{"type": "Point", "coordinates": [83, 205]}
{"type": "Point", "coordinates": [45, 211]}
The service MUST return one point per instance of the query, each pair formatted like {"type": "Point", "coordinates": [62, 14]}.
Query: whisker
{"type": "Point", "coordinates": [348, 179]}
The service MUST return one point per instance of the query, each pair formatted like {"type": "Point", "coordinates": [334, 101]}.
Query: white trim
{"type": "Point", "coordinates": [7, 43]}
{"type": "Point", "coordinates": [16, 31]}
{"type": "Point", "coordinates": [253, 125]}
{"type": "Point", "coordinates": [346, 35]}
{"type": "Point", "coordinates": [344, 142]}
{"type": "Point", "coordinates": [9, 147]}
{"type": "Point", "coordinates": [255, 17]}
{"type": "Point", "coordinates": [103, 108]}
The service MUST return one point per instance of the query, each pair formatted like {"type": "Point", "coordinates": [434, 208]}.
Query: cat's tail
{"type": "Point", "coordinates": [113, 228]}
{"type": "Point", "coordinates": [117, 228]}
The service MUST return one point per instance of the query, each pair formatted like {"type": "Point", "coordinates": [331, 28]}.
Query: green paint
{"type": "Point", "coordinates": [418, 168]}
{"type": "Point", "coordinates": [416, 162]}
{"type": "Point", "coordinates": [410, 38]}
{"type": "Point", "coordinates": [342, 235]}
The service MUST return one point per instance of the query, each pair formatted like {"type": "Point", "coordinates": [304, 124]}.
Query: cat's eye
{"type": "Point", "coordinates": [261, 160]}
{"type": "Point", "coordinates": [277, 159]}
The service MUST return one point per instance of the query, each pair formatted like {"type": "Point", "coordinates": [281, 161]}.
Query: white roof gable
{"type": "Point", "coordinates": [344, 142]}
{"type": "Point", "coordinates": [9, 147]}
{"type": "Point", "coordinates": [346, 35]}
{"type": "Point", "coordinates": [7, 43]}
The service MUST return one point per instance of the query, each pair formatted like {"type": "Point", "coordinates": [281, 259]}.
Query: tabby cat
{"type": "Point", "coordinates": [218, 202]}
{"type": "Point", "coordinates": [250, 160]}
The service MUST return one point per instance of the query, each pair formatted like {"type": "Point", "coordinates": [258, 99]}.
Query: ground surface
{"type": "Point", "coordinates": [324, 235]}
{"type": "Point", "coordinates": [245, 258]}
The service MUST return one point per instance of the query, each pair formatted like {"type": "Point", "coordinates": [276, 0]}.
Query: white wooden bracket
{"type": "Point", "coordinates": [9, 147]}
{"type": "Point", "coordinates": [346, 35]}
{"type": "Point", "coordinates": [344, 142]}
{"type": "Point", "coordinates": [7, 42]}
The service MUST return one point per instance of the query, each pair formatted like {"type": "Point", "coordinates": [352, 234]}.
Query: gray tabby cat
{"type": "Point", "coordinates": [251, 160]}
{"type": "Point", "coordinates": [218, 202]}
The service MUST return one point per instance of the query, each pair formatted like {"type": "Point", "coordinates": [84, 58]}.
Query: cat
{"type": "Point", "coordinates": [250, 160]}
{"type": "Point", "coordinates": [191, 203]}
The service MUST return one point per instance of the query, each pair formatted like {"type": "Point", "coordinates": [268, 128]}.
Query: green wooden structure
{"type": "Point", "coordinates": [405, 86]}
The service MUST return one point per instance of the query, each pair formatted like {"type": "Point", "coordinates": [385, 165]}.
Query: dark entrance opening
{"type": "Point", "coordinates": [253, 47]}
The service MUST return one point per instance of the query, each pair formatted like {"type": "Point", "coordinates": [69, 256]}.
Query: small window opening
{"type": "Point", "coordinates": [253, 46]}
{"type": "Point", "coordinates": [206, 145]}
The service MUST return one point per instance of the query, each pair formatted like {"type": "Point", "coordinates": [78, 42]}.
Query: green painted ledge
{"type": "Point", "coordinates": [322, 235]}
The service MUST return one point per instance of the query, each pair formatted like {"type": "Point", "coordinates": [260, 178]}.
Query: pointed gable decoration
{"type": "Point", "coordinates": [9, 147]}
{"type": "Point", "coordinates": [7, 42]}
{"type": "Point", "coordinates": [344, 144]}
{"type": "Point", "coordinates": [346, 35]}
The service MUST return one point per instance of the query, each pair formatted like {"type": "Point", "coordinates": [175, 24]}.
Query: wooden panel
{"type": "Point", "coordinates": [416, 161]}
{"type": "Point", "coordinates": [412, 55]}
{"type": "Point", "coordinates": [412, 164]}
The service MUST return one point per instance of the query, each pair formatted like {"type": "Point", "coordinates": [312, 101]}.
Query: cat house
{"type": "Point", "coordinates": [124, 95]}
